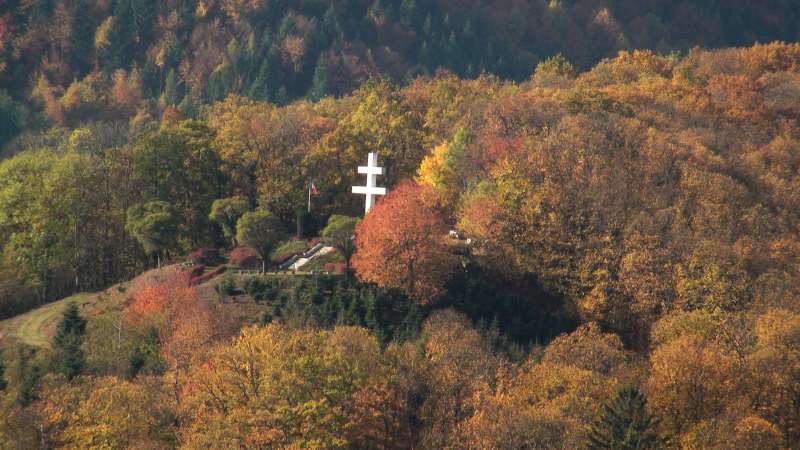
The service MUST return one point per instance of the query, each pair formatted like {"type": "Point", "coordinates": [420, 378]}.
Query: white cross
{"type": "Point", "coordinates": [370, 190]}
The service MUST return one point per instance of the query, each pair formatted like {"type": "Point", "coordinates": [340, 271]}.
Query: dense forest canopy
{"type": "Point", "coordinates": [583, 244]}
{"type": "Point", "coordinates": [82, 60]}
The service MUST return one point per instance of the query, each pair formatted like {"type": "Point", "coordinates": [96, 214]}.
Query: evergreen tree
{"type": "Point", "coordinates": [39, 9]}
{"type": "Point", "coordinates": [407, 11]}
{"type": "Point", "coordinates": [427, 26]}
{"type": "Point", "coordinates": [330, 24]}
{"type": "Point", "coordinates": [287, 27]}
{"type": "Point", "coordinates": [218, 83]}
{"type": "Point", "coordinates": [282, 97]}
{"type": "Point", "coordinates": [320, 86]}
{"type": "Point", "coordinates": [29, 381]}
{"type": "Point", "coordinates": [151, 79]}
{"type": "Point", "coordinates": [144, 17]}
{"type": "Point", "coordinates": [3, 383]}
{"type": "Point", "coordinates": [69, 358]}
{"type": "Point", "coordinates": [10, 123]}
{"type": "Point", "coordinates": [82, 37]}
{"type": "Point", "coordinates": [171, 88]}
{"type": "Point", "coordinates": [625, 424]}
{"type": "Point", "coordinates": [120, 49]}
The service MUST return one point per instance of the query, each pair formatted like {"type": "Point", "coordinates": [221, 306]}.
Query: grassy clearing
{"type": "Point", "coordinates": [37, 327]}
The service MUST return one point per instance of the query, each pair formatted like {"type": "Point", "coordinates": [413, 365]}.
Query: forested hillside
{"type": "Point", "coordinates": [65, 62]}
{"type": "Point", "coordinates": [591, 237]}
{"type": "Point", "coordinates": [644, 211]}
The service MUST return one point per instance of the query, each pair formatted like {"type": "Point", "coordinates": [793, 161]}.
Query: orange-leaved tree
{"type": "Point", "coordinates": [402, 244]}
{"type": "Point", "coordinates": [187, 324]}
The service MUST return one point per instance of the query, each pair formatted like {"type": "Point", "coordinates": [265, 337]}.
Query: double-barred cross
{"type": "Point", "coordinates": [370, 190]}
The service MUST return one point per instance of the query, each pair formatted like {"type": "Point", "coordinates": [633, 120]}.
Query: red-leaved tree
{"type": "Point", "coordinates": [402, 244]}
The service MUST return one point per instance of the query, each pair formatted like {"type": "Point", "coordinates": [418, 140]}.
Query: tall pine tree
{"type": "Point", "coordinates": [121, 37]}
{"type": "Point", "coordinates": [320, 86]}
{"type": "Point", "coordinates": [3, 383]}
{"type": "Point", "coordinates": [625, 424]}
{"type": "Point", "coordinates": [28, 373]}
{"type": "Point", "coordinates": [68, 356]}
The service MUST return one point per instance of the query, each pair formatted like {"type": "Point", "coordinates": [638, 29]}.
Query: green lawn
{"type": "Point", "coordinates": [37, 327]}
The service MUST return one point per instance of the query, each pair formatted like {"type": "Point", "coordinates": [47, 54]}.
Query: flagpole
{"type": "Point", "coordinates": [309, 196]}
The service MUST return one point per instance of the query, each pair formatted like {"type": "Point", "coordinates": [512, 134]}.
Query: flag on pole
{"type": "Point", "coordinates": [312, 190]}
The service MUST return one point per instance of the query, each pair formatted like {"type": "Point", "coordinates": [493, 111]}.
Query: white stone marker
{"type": "Point", "coordinates": [370, 190]}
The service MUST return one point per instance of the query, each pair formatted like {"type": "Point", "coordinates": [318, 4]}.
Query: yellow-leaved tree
{"type": "Point", "coordinates": [279, 388]}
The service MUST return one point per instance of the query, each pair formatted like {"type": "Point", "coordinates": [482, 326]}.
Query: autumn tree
{"type": "Point", "coordinates": [587, 348]}
{"type": "Point", "coordinates": [276, 387]}
{"type": "Point", "coordinates": [226, 212]}
{"type": "Point", "coordinates": [69, 357]}
{"type": "Point", "coordinates": [401, 244]}
{"type": "Point", "coordinates": [458, 363]}
{"type": "Point", "coordinates": [340, 233]}
{"type": "Point", "coordinates": [107, 412]}
{"type": "Point", "coordinates": [693, 375]}
{"type": "Point", "coordinates": [449, 170]}
{"type": "Point", "coordinates": [257, 142]}
{"type": "Point", "coordinates": [126, 91]}
{"type": "Point", "coordinates": [384, 123]}
{"type": "Point", "coordinates": [775, 365]}
{"type": "Point", "coordinates": [625, 424]}
{"type": "Point", "coordinates": [151, 302]}
{"type": "Point", "coordinates": [261, 231]}
{"type": "Point", "coordinates": [541, 405]}
{"type": "Point", "coordinates": [381, 415]}
{"type": "Point", "coordinates": [154, 225]}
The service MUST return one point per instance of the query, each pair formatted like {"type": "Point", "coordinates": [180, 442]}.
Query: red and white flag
{"type": "Point", "coordinates": [314, 190]}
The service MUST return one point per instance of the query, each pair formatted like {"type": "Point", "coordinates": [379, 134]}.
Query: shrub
{"type": "Point", "coordinates": [203, 278]}
{"type": "Point", "coordinates": [205, 255]}
{"type": "Point", "coordinates": [261, 288]}
{"type": "Point", "coordinates": [335, 267]}
{"type": "Point", "coordinates": [287, 249]}
{"type": "Point", "coordinates": [196, 271]}
{"type": "Point", "coordinates": [245, 257]}
{"type": "Point", "coordinates": [227, 286]}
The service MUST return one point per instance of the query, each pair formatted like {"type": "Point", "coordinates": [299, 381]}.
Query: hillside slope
{"type": "Point", "coordinates": [37, 327]}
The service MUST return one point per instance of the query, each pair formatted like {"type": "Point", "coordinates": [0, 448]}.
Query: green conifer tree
{"type": "Point", "coordinates": [260, 87]}
{"type": "Point", "coordinates": [320, 86]}
{"type": "Point", "coordinates": [3, 383]}
{"type": "Point", "coordinates": [69, 358]}
{"type": "Point", "coordinates": [330, 25]}
{"type": "Point", "coordinates": [282, 97]}
{"type": "Point", "coordinates": [29, 381]}
{"type": "Point", "coordinates": [171, 89]}
{"type": "Point", "coordinates": [624, 423]}
{"type": "Point", "coordinates": [121, 37]}
{"type": "Point", "coordinates": [408, 9]}
{"type": "Point", "coordinates": [82, 36]}
{"type": "Point", "coordinates": [144, 18]}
